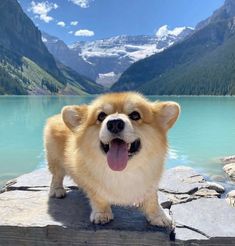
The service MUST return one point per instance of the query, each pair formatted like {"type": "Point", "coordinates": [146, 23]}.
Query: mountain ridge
{"type": "Point", "coordinates": [226, 11]}
{"type": "Point", "coordinates": [104, 60]}
{"type": "Point", "coordinates": [26, 65]}
{"type": "Point", "coordinates": [16, 38]}
{"type": "Point", "coordinates": [195, 66]}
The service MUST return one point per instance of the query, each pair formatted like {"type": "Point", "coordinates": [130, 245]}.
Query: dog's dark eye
{"type": "Point", "coordinates": [134, 116]}
{"type": "Point", "coordinates": [101, 116]}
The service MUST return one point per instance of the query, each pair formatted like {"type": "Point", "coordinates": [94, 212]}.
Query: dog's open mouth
{"type": "Point", "coordinates": [118, 152]}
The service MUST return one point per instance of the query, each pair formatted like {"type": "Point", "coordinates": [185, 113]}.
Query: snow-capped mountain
{"type": "Point", "coordinates": [105, 60]}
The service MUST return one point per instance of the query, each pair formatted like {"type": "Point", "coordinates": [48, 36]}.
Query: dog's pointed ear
{"type": "Point", "coordinates": [167, 113]}
{"type": "Point", "coordinates": [73, 116]}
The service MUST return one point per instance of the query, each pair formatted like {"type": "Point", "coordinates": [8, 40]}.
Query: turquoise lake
{"type": "Point", "coordinates": [204, 133]}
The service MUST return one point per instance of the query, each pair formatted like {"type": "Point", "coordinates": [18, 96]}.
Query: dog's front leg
{"type": "Point", "coordinates": [154, 212]}
{"type": "Point", "coordinates": [101, 210]}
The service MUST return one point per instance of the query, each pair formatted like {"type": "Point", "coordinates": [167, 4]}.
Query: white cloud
{"type": "Point", "coordinates": [61, 23]}
{"type": "Point", "coordinates": [82, 3]}
{"type": "Point", "coordinates": [73, 23]}
{"type": "Point", "coordinates": [70, 32]}
{"type": "Point", "coordinates": [84, 32]}
{"type": "Point", "coordinates": [41, 10]}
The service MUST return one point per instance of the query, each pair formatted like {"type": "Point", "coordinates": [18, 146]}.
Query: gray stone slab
{"type": "Point", "coordinates": [27, 208]}
{"type": "Point", "coordinates": [38, 178]}
{"type": "Point", "coordinates": [185, 234]}
{"type": "Point", "coordinates": [185, 180]}
{"type": "Point", "coordinates": [29, 217]}
{"type": "Point", "coordinates": [59, 236]}
{"type": "Point", "coordinates": [176, 180]}
{"type": "Point", "coordinates": [179, 180]}
{"type": "Point", "coordinates": [213, 217]}
{"type": "Point", "coordinates": [35, 212]}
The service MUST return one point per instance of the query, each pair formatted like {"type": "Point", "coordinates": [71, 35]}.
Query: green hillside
{"type": "Point", "coordinates": [21, 76]}
{"type": "Point", "coordinates": [26, 66]}
{"type": "Point", "coordinates": [211, 74]}
{"type": "Point", "coordinates": [75, 79]}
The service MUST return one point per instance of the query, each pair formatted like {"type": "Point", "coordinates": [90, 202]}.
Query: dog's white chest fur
{"type": "Point", "coordinates": [127, 187]}
{"type": "Point", "coordinates": [126, 190]}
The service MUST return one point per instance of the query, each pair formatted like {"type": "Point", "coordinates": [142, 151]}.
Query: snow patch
{"type": "Point", "coordinates": [44, 40]}
{"type": "Point", "coordinates": [164, 31]}
{"type": "Point", "coordinates": [105, 75]}
{"type": "Point", "coordinates": [107, 79]}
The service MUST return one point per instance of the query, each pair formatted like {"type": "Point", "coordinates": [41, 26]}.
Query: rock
{"type": "Point", "coordinates": [228, 159]}
{"type": "Point", "coordinates": [164, 200]}
{"type": "Point", "coordinates": [29, 217]}
{"type": "Point", "coordinates": [210, 218]}
{"type": "Point", "coordinates": [230, 170]}
{"type": "Point", "coordinates": [179, 198]}
{"type": "Point", "coordinates": [214, 186]}
{"type": "Point", "coordinates": [184, 184]}
{"type": "Point", "coordinates": [208, 193]}
{"type": "Point", "coordinates": [67, 220]}
{"type": "Point", "coordinates": [172, 199]}
{"type": "Point", "coordinates": [37, 179]}
{"type": "Point", "coordinates": [230, 198]}
{"type": "Point", "coordinates": [182, 180]}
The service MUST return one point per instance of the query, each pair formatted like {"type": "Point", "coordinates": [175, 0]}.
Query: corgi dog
{"type": "Point", "coordinates": [114, 149]}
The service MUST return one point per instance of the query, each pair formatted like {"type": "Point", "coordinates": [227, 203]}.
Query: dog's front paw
{"type": "Point", "coordinates": [161, 219]}
{"type": "Point", "coordinates": [98, 217]}
{"type": "Point", "coordinates": [59, 192]}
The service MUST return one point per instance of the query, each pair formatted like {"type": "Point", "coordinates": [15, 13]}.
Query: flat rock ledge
{"type": "Point", "coordinates": [202, 217]}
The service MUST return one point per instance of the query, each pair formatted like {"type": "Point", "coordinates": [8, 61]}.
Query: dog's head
{"type": "Point", "coordinates": [121, 126]}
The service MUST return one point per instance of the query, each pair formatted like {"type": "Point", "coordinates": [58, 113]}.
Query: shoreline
{"type": "Point", "coordinates": [203, 172]}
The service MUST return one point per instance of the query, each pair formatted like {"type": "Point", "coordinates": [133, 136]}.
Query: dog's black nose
{"type": "Point", "coordinates": [115, 126]}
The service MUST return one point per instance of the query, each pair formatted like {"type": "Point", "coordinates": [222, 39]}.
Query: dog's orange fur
{"type": "Point", "coordinates": [73, 148]}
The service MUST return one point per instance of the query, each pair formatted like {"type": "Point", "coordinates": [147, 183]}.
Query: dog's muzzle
{"type": "Point", "coordinates": [133, 147]}
{"type": "Point", "coordinates": [119, 152]}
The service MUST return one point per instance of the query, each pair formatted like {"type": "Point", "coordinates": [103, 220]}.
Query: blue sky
{"type": "Point", "coordinates": [76, 20]}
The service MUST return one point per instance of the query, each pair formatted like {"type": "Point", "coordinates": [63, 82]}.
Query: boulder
{"type": "Point", "coordinates": [228, 159]}
{"type": "Point", "coordinates": [230, 170]}
{"type": "Point", "coordinates": [230, 198]}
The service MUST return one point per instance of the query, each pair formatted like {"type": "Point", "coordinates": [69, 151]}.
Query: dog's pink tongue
{"type": "Point", "coordinates": [117, 155]}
